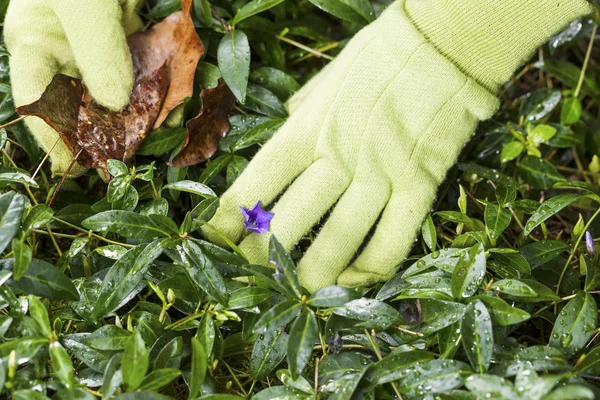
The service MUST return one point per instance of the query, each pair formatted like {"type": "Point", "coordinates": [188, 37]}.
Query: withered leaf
{"type": "Point", "coordinates": [205, 131]}
{"type": "Point", "coordinates": [175, 40]}
{"type": "Point", "coordinates": [164, 62]}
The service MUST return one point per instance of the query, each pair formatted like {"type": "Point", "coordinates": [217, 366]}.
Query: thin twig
{"type": "Point", "coordinates": [303, 47]}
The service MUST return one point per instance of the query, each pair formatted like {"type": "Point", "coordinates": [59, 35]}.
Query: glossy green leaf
{"type": "Point", "coordinates": [469, 272]}
{"type": "Point", "coordinates": [332, 296]}
{"type": "Point", "coordinates": [497, 219]}
{"type": "Point", "coordinates": [501, 312]}
{"type": "Point", "coordinates": [11, 210]}
{"type": "Point", "coordinates": [370, 312]}
{"type": "Point", "coordinates": [478, 339]}
{"type": "Point", "coordinates": [303, 335]}
{"type": "Point", "coordinates": [131, 225]}
{"type": "Point", "coordinates": [135, 361]}
{"type": "Point", "coordinates": [198, 372]}
{"type": "Point", "coordinates": [357, 11]}
{"type": "Point", "coordinates": [234, 62]}
{"type": "Point", "coordinates": [278, 316]}
{"type": "Point", "coordinates": [125, 275]}
{"type": "Point", "coordinates": [393, 367]}
{"type": "Point", "coordinates": [284, 265]}
{"type": "Point", "coordinates": [61, 364]}
{"type": "Point", "coordinates": [428, 232]}
{"type": "Point", "coordinates": [162, 141]}
{"type": "Point", "coordinates": [268, 351]}
{"type": "Point", "coordinates": [539, 172]}
{"type": "Point", "coordinates": [263, 101]}
{"type": "Point", "coordinates": [252, 8]}
{"type": "Point", "coordinates": [44, 280]}
{"type": "Point", "coordinates": [159, 378]}
{"type": "Point", "coordinates": [575, 324]}
{"type": "Point", "coordinates": [539, 253]}
{"type": "Point", "coordinates": [571, 111]}
{"type": "Point", "coordinates": [202, 271]}
{"type": "Point", "coordinates": [548, 209]}
{"type": "Point", "coordinates": [511, 150]}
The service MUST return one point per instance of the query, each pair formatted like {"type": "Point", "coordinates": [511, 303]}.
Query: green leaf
{"type": "Point", "coordinates": [269, 350]}
{"type": "Point", "coordinates": [191, 187]}
{"type": "Point", "coordinates": [38, 216]}
{"type": "Point", "coordinates": [515, 261]}
{"type": "Point", "coordinates": [125, 275]}
{"type": "Point", "coordinates": [502, 313]}
{"type": "Point", "coordinates": [247, 297]}
{"type": "Point", "coordinates": [571, 111]}
{"type": "Point", "coordinates": [568, 73]}
{"type": "Point", "coordinates": [164, 8]}
{"type": "Point", "coordinates": [586, 187]}
{"type": "Point", "coordinates": [278, 316]}
{"type": "Point", "coordinates": [259, 134]}
{"type": "Point", "coordinates": [159, 378]}
{"type": "Point", "coordinates": [491, 386]}
{"type": "Point", "coordinates": [539, 253]}
{"type": "Point", "coordinates": [44, 280]}
{"type": "Point", "coordinates": [514, 287]}
{"type": "Point", "coordinates": [252, 8]}
{"type": "Point", "coordinates": [505, 194]}
{"type": "Point", "coordinates": [233, 58]}
{"type": "Point", "coordinates": [303, 335]}
{"type": "Point", "coordinates": [213, 167]}
{"type": "Point", "coordinates": [511, 150]}
{"type": "Point", "coordinates": [26, 139]}
{"type": "Point", "coordinates": [198, 372]}
{"type": "Point", "coordinates": [135, 361]}
{"type": "Point", "coordinates": [575, 324]}
{"type": "Point", "coordinates": [478, 339]}
{"type": "Point", "coordinates": [590, 365]}
{"type": "Point", "coordinates": [284, 265]}
{"type": "Point", "coordinates": [497, 219]}
{"type": "Point", "coordinates": [40, 315]}
{"type": "Point", "coordinates": [372, 313]}
{"type": "Point", "coordinates": [393, 367]}
{"type": "Point", "coordinates": [357, 11]}
{"type": "Point", "coordinates": [132, 225]}
{"type": "Point", "coordinates": [16, 175]}
{"type": "Point", "coordinates": [22, 257]}
{"type": "Point", "coordinates": [469, 272]}
{"type": "Point", "coordinates": [428, 233]}
{"type": "Point", "coordinates": [548, 209]}
{"type": "Point", "coordinates": [108, 337]}
{"type": "Point", "coordinates": [332, 296]}
{"type": "Point", "coordinates": [61, 364]}
{"type": "Point", "coordinates": [264, 101]}
{"type": "Point", "coordinates": [162, 141]}
{"type": "Point", "coordinates": [11, 210]}
{"type": "Point", "coordinates": [203, 12]}
{"type": "Point", "coordinates": [202, 271]}
{"type": "Point", "coordinates": [277, 81]}
{"type": "Point", "coordinates": [539, 172]}
{"type": "Point", "coordinates": [541, 134]}
{"type": "Point", "coordinates": [236, 166]}
{"type": "Point", "coordinates": [438, 375]}
{"type": "Point", "coordinates": [540, 103]}
{"type": "Point", "coordinates": [112, 378]}
{"type": "Point", "coordinates": [571, 392]}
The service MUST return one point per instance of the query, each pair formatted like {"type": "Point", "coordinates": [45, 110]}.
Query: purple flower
{"type": "Point", "coordinates": [589, 243]}
{"type": "Point", "coordinates": [256, 219]}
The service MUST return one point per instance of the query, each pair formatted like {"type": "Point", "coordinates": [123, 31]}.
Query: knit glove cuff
{"type": "Point", "coordinates": [489, 39]}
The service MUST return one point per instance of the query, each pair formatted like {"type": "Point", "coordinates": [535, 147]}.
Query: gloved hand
{"type": "Point", "coordinates": [80, 38]}
{"type": "Point", "coordinates": [379, 129]}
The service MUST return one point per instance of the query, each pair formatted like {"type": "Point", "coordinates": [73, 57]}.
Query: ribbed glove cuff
{"type": "Point", "coordinates": [490, 39]}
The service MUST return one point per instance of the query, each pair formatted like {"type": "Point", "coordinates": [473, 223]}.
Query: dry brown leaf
{"type": "Point", "coordinates": [208, 128]}
{"type": "Point", "coordinates": [164, 62]}
{"type": "Point", "coordinates": [174, 40]}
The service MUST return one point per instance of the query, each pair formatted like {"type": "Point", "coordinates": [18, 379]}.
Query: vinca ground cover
{"type": "Point", "coordinates": [108, 290]}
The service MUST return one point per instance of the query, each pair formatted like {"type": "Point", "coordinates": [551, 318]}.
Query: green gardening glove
{"type": "Point", "coordinates": [380, 127]}
{"type": "Point", "coordinates": [80, 38]}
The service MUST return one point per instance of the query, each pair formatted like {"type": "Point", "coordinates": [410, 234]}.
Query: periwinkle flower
{"type": "Point", "coordinates": [589, 243]}
{"type": "Point", "coordinates": [256, 219]}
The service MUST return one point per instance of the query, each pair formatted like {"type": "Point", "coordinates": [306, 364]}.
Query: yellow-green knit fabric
{"type": "Point", "coordinates": [80, 38]}
{"type": "Point", "coordinates": [373, 135]}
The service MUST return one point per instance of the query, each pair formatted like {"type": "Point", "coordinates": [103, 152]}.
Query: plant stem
{"type": "Point", "coordinates": [586, 61]}
{"type": "Point", "coordinates": [316, 53]}
{"type": "Point", "coordinates": [379, 357]}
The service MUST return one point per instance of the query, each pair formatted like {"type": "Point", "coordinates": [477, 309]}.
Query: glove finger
{"type": "Point", "coordinates": [273, 168]}
{"type": "Point", "coordinates": [97, 38]}
{"type": "Point", "coordinates": [343, 233]}
{"type": "Point", "coordinates": [300, 208]}
{"type": "Point", "coordinates": [395, 232]}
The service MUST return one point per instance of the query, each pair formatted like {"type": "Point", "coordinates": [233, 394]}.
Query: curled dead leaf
{"type": "Point", "coordinates": [164, 62]}
{"type": "Point", "coordinates": [205, 131]}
